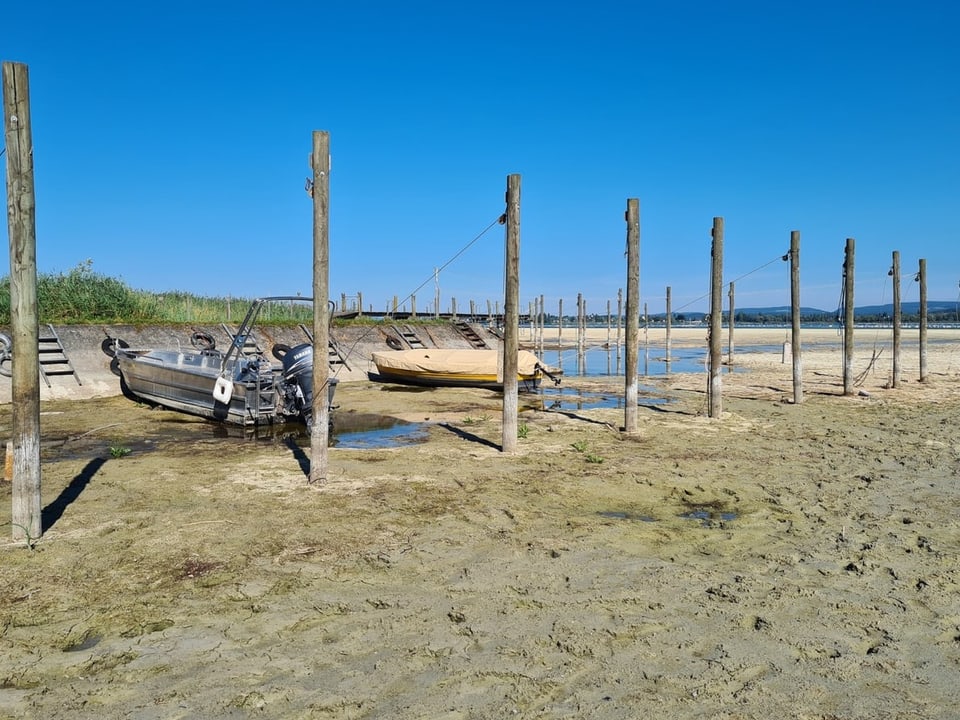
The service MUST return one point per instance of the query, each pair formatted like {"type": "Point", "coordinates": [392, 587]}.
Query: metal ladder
{"type": "Point", "coordinates": [53, 358]}
{"type": "Point", "coordinates": [250, 345]}
{"type": "Point", "coordinates": [475, 340]}
{"type": "Point", "coordinates": [335, 356]}
{"type": "Point", "coordinates": [410, 337]}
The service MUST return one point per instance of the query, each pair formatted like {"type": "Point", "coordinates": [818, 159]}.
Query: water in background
{"type": "Point", "coordinates": [603, 361]}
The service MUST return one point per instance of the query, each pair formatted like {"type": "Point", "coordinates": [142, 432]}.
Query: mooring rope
{"type": "Point", "coordinates": [737, 279]}
{"type": "Point", "coordinates": [390, 312]}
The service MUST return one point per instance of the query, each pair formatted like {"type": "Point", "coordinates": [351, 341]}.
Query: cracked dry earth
{"type": "Point", "coordinates": [795, 561]}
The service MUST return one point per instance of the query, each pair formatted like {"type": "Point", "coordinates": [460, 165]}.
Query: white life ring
{"type": "Point", "coordinates": [222, 390]}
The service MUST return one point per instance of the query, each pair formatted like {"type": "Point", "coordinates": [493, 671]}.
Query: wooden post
{"type": "Point", "coordinates": [609, 324]}
{"type": "Point", "coordinates": [922, 279]}
{"type": "Point", "coordinates": [646, 341]}
{"type": "Point", "coordinates": [848, 318]}
{"type": "Point", "coordinates": [26, 519]}
{"type": "Point", "coordinates": [619, 324]}
{"type": "Point", "coordinates": [795, 316]}
{"type": "Point", "coordinates": [714, 400]}
{"type": "Point", "coordinates": [511, 317]}
{"type": "Point", "coordinates": [413, 306]}
{"type": "Point", "coordinates": [633, 315]}
{"type": "Point", "coordinates": [730, 324]}
{"type": "Point", "coordinates": [543, 316]}
{"type": "Point", "coordinates": [897, 317]}
{"type": "Point", "coordinates": [359, 304]}
{"type": "Point", "coordinates": [560, 326]}
{"type": "Point", "coordinates": [669, 323]}
{"type": "Point", "coordinates": [579, 339]}
{"type": "Point", "coordinates": [320, 425]}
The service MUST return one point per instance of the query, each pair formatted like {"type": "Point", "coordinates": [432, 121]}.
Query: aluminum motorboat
{"type": "Point", "coordinates": [233, 385]}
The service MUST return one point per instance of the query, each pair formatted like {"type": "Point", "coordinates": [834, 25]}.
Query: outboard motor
{"type": "Point", "coordinates": [298, 370]}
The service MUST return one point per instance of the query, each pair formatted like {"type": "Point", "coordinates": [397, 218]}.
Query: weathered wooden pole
{"type": "Point", "coordinates": [581, 326]}
{"type": "Point", "coordinates": [714, 399]}
{"type": "Point", "coordinates": [922, 279]}
{"type": "Point", "coordinates": [609, 323]}
{"type": "Point", "coordinates": [560, 326]}
{"type": "Point", "coordinates": [897, 317]}
{"type": "Point", "coordinates": [730, 325]}
{"type": "Point", "coordinates": [646, 341]}
{"type": "Point", "coordinates": [795, 316]}
{"type": "Point", "coordinates": [848, 316]}
{"type": "Point", "coordinates": [619, 324]}
{"type": "Point", "coordinates": [26, 517]}
{"type": "Point", "coordinates": [511, 317]}
{"type": "Point", "coordinates": [543, 317]}
{"type": "Point", "coordinates": [668, 325]}
{"type": "Point", "coordinates": [633, 315]}
{"type": "Point", "coordinates": [320, 425]}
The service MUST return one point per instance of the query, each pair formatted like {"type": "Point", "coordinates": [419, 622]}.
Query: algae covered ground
{"type": "Point", "coordinates": [785, 560]}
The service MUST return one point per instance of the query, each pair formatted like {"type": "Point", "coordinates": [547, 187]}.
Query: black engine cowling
{"type": "Point", "coordinates": [298, 368]}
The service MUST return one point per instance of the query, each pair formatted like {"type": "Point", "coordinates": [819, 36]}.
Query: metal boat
{"type": "Point", "coordinates": [458, 368]}
{"type": "Point", "coordinates": [231, 386]}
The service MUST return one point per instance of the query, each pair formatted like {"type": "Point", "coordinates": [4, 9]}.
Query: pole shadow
{"type": "Point", "coordinates": [54, 511]}
{"type": "Point", "coordinates": [463, 434]}
{"type": "Point", "coordinates": [299, 455]}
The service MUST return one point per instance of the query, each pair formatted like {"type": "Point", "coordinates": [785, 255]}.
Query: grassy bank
{"type": "Point", "coordinates": [82, 296]}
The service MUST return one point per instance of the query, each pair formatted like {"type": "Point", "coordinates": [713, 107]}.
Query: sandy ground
{"type": "Point", "coordinates": [784, 560]}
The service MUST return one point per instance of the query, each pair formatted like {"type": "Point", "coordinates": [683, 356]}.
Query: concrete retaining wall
{"type": "Point", "coordinates": [83, 345]}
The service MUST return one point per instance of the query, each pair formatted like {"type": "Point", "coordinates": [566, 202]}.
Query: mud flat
{"type": "Point", "coordinates": [786, 560]}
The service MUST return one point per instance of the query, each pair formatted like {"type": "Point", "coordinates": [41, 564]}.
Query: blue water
{"type": "Point", "coordinates": [602, 361]}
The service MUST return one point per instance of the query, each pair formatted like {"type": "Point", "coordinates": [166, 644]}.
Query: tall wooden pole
{"type": "Point", "coordinates": [26, 517]}
{"type": "Point", "coordinates": [714, 400]}
{"type": "Point", "coordinates": [319, 431]}
{"type": "Point", "coordinates": [795, 317]}
{"type": "Point", "coordinates": [848, 318]}
{"type": "Point", "coordinates": [633, 315]}
{"type": "Point", "coordinates": [669, 324]}
{"type": "Point", "coordinates": [511, 317]}
{"type": "Point", "coordinates": [730, 326]}
{"type": "Point", "coordinates": [897, 317]}
{"type": "Point", "coordinates": [560, 327]}
{"type": "Point", "coordinates": [922, 279]}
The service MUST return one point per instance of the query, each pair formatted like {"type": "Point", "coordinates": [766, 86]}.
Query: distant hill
{"type": "Point", "coordinates": [948, 309]}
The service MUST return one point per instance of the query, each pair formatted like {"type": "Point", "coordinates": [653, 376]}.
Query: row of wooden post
{"type": "Point", "coordinates": [23, 279]}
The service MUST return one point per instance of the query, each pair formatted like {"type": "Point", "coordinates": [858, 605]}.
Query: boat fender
{"type": "Point", "coordinates": [222, 390]}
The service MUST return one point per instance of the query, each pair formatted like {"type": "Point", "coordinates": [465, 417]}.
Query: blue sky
{"type": "Point", "coordinates": [171, 143]}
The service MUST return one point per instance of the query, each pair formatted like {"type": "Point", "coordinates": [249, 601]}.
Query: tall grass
{"type": "Point", "coordinates": [82, 297]}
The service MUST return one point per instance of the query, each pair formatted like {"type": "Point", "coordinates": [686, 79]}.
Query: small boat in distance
{"type": "Point", "coordinates": [231, 386]}
{"type": "Point", "coordinates": [437, 367]}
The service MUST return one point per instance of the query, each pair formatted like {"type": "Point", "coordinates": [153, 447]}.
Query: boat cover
{"type": "Point", "coordinates": [467, 362]}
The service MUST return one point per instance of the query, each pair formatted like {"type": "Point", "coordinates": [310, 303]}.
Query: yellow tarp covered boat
{"type": "Point", "coordinates": [457, 367]}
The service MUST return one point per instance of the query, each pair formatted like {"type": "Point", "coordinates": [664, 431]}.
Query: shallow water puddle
{"type": "Point", "coordinates": [555, 398]}
{"type": "Point", "coordinates": [622, 515]}
{"type": "Point", "coordinates": [708, 516]}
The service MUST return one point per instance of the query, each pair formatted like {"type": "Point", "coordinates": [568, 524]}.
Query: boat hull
{"type": "Point", "coordinates": [186, 381]}
{"type": "Point", "coordinates": [455, 368]}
